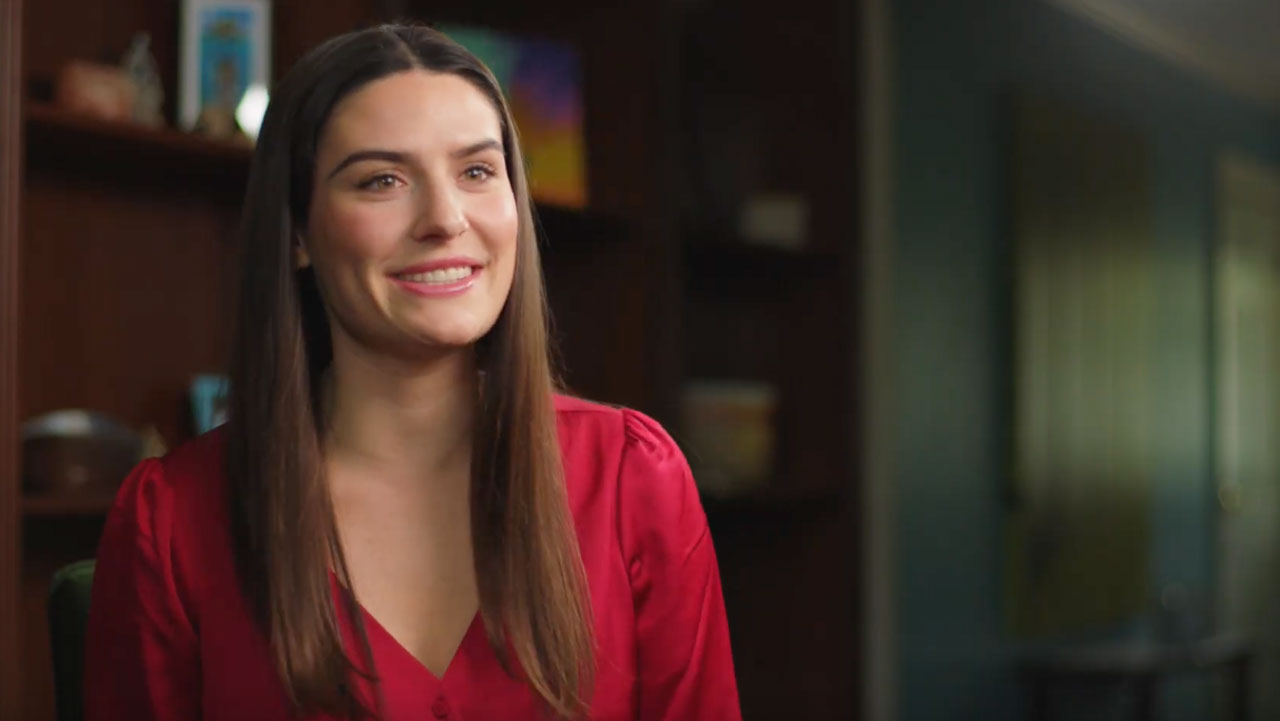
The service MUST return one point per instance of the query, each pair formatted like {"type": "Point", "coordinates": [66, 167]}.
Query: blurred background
{"type": "Point", "coordinates": [966, 314]}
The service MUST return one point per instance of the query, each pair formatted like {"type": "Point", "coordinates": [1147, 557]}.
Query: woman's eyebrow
{"type": "Point", "coordinates": [391, 156]}
{"type": "Point", "coordinates": [395, 156]}
{"type": "Point", "coordinates": [487, 144]}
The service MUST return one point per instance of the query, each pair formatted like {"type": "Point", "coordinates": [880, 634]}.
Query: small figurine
{"type": "Point", "coordinates": [140, 65]}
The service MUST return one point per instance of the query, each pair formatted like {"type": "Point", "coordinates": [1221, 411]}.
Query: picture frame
{"type": "Point", "coordinates": [225, 49]}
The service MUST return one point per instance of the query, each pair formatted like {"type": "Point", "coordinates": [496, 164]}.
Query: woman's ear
{"type": "Point", "coordinates": [301, 258]}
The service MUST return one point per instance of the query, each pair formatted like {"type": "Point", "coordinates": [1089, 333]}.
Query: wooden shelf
{"type": "Point", "coordinates": [67, 505]}
{"type": "Point", "coordinates": [50, 120]}
{"type": "Point", "coordinates": [56, 136]}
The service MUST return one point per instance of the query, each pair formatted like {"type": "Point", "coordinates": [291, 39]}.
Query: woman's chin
{"type": "Point", "coordinates": [439, 340]}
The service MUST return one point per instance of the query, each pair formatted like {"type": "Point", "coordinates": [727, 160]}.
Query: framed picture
{"type": "Point", "coordinates": [225, 49]}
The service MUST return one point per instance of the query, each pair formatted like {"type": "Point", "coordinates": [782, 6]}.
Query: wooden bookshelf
{"type": "Point", "coordinates": [114, 287]}
{"type": "Point", "coordinates": [125, 152]}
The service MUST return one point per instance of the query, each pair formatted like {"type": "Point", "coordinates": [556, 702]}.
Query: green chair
{"type": "Point", "coordinates": [68, 617]}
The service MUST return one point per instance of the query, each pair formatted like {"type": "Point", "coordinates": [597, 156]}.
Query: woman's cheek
{"type": "Point", "coordinates": [498, 215]}
{"type": "Point", "coordinates": [363, 229]}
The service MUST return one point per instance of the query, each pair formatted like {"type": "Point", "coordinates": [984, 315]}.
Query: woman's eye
{"type": "Point", "coordinates": [380, 182]}
{"type": "Point", "coordinates": [478, 172]}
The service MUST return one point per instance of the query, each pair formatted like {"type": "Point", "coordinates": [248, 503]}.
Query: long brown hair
{"type": "Point", "coordinates": [532, 587]}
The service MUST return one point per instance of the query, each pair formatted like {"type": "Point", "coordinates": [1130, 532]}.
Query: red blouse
{"type": "Point", "coordinates": [170, 635]}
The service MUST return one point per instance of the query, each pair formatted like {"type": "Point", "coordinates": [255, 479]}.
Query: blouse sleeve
{"type": "Point", "coordinates": [684, 662]}
{"type": "Point", "coordinates": [141, 651]}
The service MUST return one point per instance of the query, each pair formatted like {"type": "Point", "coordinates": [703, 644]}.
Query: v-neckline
{"type": "Point", "coordinates": [372, 624]}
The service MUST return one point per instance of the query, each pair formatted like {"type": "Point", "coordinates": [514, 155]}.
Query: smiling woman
{"type": "Point", "coordinates": [402, 519]}
{"type": "Point", "coordinates": [432, 212]}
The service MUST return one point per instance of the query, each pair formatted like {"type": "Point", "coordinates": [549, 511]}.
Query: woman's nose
{"type": "Point", "coordinates": [441, 216]}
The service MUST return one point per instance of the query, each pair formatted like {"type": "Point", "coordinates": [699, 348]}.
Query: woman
{"type": "Point", "coordinates": [401, 520]}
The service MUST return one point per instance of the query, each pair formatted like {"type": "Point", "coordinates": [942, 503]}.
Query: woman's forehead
{"type": "Point", "coordinates": [413, 110]}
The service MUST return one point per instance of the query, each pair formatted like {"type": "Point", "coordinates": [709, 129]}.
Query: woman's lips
{"type": "Point", "coordinates": [437, 279]}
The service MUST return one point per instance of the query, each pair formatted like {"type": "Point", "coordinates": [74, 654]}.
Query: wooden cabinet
{"type": "Point", "coordinates": [768, 102]}
{"type": "Point", "coordinates": [116, 246]}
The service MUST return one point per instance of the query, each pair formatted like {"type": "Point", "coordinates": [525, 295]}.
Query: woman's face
{"type": "Point", "coordinates": [413, 222]}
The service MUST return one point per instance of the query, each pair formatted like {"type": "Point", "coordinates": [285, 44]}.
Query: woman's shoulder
{"type": "Point", "coordinates": [190, 477]}
{"type": "Point", "coordinates": [612, 430]}
{"type": "Point", "coordinates": [165, 553]}
{"type": "Point", "coordinates": [568, 406]}
{"type": "Point", "coordinates": [639, 463]}
{"type": "Point", "coordinates": [202, 457]}
{"type": "Point", "coordinates": [606, 417]}
{"type": "Point", "coordinates": [197, 468]}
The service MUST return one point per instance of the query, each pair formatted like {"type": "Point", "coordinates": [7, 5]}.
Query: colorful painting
{"type": "Point", "coordinates": [542, 82]}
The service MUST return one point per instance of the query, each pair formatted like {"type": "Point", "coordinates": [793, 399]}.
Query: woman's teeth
{"type": "Point", "coordinates": [442, 275]}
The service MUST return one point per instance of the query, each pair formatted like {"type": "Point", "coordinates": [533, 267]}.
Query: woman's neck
{"type": "Point", "coordinates": [405, 419]}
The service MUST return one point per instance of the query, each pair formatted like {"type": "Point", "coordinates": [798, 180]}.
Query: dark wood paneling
{"type": "Point", "coordinates": [789, 600]}
{"type": "Point", "coordinates": [595, 306]}
{"type": "Point", "coordinates": [10, 184]}
{"type": "Point", "coordinates": [303, 24]}
{"type": "Point", "coordinates": [131, 283]}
